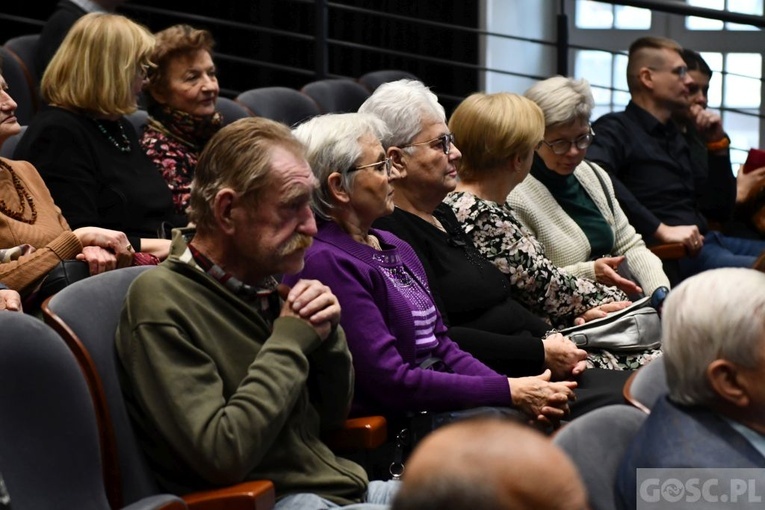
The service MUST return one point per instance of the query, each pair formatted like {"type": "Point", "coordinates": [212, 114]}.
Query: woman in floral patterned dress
{"type": "Point", "coordinates": [181, 93]}
{"type": "Point", "coordinates": [497, 135]}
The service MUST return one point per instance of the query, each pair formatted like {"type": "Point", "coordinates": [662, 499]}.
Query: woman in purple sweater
{"type": "Point", "coordinates": [403, 360]}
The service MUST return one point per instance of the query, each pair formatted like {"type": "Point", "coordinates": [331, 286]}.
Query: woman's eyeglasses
{"type": "Point", "coordinates": [561, 147]}
{"type": "Point", "coordinates": [380, 166]}
{"type": "Point", "coordinates": [445, 141]}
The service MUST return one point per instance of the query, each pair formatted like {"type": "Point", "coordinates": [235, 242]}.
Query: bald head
{"type": "Point", "coordinates": [489, 463]}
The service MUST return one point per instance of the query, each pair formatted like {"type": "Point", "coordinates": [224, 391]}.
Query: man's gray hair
{"type": "Point", "coordinates": [563, 100]}
{"type": "Point", "coordinates": [717, 314]}
{"type": "Point", "coordinates": [332, 145]}
{"type": "Point", "coordinates": [404, 105]}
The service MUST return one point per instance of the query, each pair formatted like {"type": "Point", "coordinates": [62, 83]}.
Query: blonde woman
{"type": "Point", "coordinates": [85, 149]}
{"type": "Point", "coordinates": [497, 135]}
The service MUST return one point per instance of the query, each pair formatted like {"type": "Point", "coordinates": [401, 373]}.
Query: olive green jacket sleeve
{"type": "Point", "coordinates": [331, 380]}
{"type": "Point", "coordinates": [191, 377]}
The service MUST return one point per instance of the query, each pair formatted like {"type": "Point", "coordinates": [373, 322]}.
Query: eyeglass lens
{"type": "Point", "coordinates": [563, 146]}
{"type": "Point", "coordinates": [446, 142]}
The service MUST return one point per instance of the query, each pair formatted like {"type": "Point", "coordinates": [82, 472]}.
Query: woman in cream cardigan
{"type": "Point", "coordinates": [569, 204]}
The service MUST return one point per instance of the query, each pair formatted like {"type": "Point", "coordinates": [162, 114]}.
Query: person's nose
{"type": "Point", "coordinates": [573, 150]}
{"type": "Point", "coordinates": [210, 83]}
{"type": "Point", "coordinates": [307, 224]}
{"type": "Point", "coordinates": [454, 153]}
{"type": "Point", "coordinates": [7, 104]}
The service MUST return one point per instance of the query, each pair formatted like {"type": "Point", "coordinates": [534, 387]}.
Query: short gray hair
{"type": "Point", "coordinates": [717, 314]}
{"type": "Point", "coordinates": [563, 100]}
{"type": "Point", "coordinates": [403, 105]}
{"type": "Point", "coordinates": [332, 145]}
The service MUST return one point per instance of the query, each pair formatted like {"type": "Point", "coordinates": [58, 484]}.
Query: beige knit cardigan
{"type": "Point", "coordinates": [565, 242]}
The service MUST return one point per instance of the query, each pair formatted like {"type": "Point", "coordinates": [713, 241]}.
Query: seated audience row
{"type": "Point", "coordinates": [291, 365]}
{"type": "Point", "coordinates": [34, 234]}
{"type": "Point", "coordinates": [403, 360]}
{"type": "Point", "coordinates": [661, 170]}
{"type": "Point", "coordinates": [254, 373]}
{"type": "Point", "coordinates": [85, 149]}
{"type": "Point", "coordinates": [253, 220]}
{"type": "Point", "coordinates": [480, 203]}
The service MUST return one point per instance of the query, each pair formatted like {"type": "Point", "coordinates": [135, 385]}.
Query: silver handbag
{"type": "Point", "coordinates": [635, 328]}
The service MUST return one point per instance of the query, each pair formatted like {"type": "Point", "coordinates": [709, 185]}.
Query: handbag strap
{"type": "Point", "coordinates": [603, 185]}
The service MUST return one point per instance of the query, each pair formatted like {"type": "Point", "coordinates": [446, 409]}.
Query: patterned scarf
{"type": "Point", "coordinates": [192, 130]}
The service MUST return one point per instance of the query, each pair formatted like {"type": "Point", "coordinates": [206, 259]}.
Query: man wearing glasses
{"type": "Point", "coordinates": [659, 183]}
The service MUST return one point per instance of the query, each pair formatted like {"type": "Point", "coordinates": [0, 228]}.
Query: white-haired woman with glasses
{"type": "Point", "coordinates": [568, 203]}
{"type": "Point", "coordinates": [404, 360]}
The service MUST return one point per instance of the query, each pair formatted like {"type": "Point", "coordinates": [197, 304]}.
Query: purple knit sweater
{"type": "Point", "coordinates": [383, 333]}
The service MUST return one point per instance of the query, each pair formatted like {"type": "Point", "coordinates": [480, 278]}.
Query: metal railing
{"type": "Point", "coordinates": [325, 50]}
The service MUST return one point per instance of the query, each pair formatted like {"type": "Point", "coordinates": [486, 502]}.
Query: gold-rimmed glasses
{"type": "Point", "coordinates": [386, 165]}
{"type": "Point", "coordinates": [445, 141]}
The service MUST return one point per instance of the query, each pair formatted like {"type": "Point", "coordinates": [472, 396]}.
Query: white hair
{"type": "Point", "coordinates": [563, 100]}
{"type": "Point", "coordinates": [717, 314]}
{"type": "Point", "coordinates": [404, 106]}
{"type": "Point", "coordinates": [332, 145]}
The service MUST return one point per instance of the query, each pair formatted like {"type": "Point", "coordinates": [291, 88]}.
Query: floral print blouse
{"type": "Point", "coordinates": [173, 140]}
{"type": "Point", "coordinates": [547, 290]}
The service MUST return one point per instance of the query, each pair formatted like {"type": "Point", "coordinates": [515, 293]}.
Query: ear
{"type": "Point", "coordinates": [727, 383]}
{"type": "Point", "coordinates": [516, 163]}
{"type": "Point", "coordinates": [336, 188]}
{"type": "Point", "coordinates": [398, 157]}
{"type": "Point", "coordinates": [222, 210]}
{"type": "Point", "coordinates": [646, 77]}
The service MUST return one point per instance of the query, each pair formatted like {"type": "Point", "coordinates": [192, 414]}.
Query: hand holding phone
{"type": "Point", "coordinates": [754, 160]}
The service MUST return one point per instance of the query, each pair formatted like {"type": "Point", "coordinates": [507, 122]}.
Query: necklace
{"type": "Point", "coordinates": [123, 145]}
{"type": "Point", "coordinates": [23, 195]}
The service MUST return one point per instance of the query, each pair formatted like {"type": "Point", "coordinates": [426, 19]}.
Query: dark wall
{"type": "Point", "coordinates": [262, 43]}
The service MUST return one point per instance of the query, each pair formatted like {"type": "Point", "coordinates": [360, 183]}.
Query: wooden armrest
{"type": "Point", "coordinates": [669, 251]}
{"type": "Point", "coordinates": [364, 433]}
{"type": "Point", "coordinates": [627, 394]}
{"type": "Point", "coordinates": [253, 495]}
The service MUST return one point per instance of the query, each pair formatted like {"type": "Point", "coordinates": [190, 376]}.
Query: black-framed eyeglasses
{"type": "Point", "coordinates": [385, 165]}
{"type": "Point", "coordinates": [561, 147]}
{"type": "Point", "coordinates": [679, 71]}
{"type": "Point", "coordinates": [445, 141]}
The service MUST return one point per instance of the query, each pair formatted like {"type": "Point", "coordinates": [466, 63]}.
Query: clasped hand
{"type": "Point", "coordinates": [313, 302]}
{"type": "Point", "coordinates": [104, 249]}
{"type": "Point", "coordinates": [540, 399]}
{"type": "Point", "coordinates": [563, 358]}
